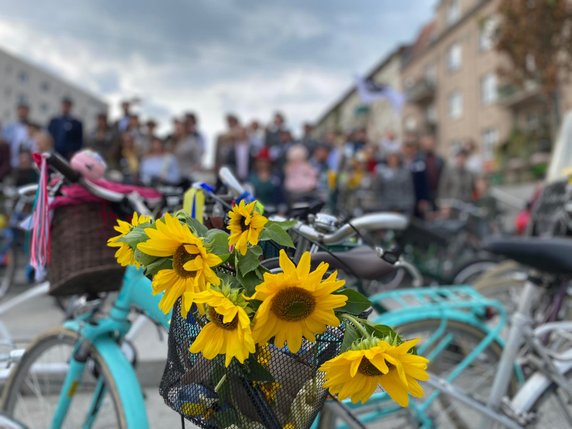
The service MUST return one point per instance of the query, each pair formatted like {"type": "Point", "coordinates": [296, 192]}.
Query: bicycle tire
{"type": "Point", "coordinates": [8, 272]}
{"type": "Point", "coordinates": [472, 270]}
{"type": "Point", "coordinates": [22, 378]}
{"type": "Point", "coordinates": [442, 408]}
{"type": "Point", "coordinates": [544, 412]}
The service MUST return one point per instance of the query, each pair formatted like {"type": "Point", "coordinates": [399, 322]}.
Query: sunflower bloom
{"type": "Point", "coordinates": [296, 303]}
{"type": "Point", "coordinates": [245, 226]}
{"type": "Point", "coordinates": [356, 374]}
{"type": "Point", "coordinates": [192, 264]}
{"type": "Point", "coordinates": [124, 254]}
{"type": "Point", "coordinates": [228, 331]}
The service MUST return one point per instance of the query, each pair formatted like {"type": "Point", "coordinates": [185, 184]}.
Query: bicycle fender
{"type": "Point", "coordinates": [126, 382]}
{"type": "Point", "coordinates": [536, 385]}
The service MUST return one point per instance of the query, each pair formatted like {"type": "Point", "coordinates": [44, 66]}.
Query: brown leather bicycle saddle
{"type": "Point", "coordinates": [361, 261]}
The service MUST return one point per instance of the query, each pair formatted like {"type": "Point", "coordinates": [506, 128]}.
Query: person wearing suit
{"type": "Point", "coordinates": [67, 131]}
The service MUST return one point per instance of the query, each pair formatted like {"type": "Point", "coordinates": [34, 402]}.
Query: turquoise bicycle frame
{"type": "Point", "coordinates": [104, 337]}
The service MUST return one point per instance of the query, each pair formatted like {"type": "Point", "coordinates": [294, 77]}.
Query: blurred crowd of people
{"type": "Point", "coordinates": [349, 171]}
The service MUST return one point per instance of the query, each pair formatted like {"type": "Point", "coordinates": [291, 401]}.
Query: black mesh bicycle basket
{"type": "Point", "coordinates": [292, 398]}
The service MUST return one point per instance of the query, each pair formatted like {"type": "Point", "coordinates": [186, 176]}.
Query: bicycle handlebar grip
{"type": "Point", "coordinates": [229, 180]}
{"type": "Point", "coordinates": [60, 164]}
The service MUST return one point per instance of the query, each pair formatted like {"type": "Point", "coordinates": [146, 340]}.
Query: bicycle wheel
{"type": "Point", "coordinates": [33, 389]}
{"type": "Point", "coordinates": [476, 378]}
{"type": "Point", "coordinates": [553, 409]}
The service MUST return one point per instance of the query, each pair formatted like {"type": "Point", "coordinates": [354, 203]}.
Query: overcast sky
{"type": "Point", "coordinates": [250, 57]}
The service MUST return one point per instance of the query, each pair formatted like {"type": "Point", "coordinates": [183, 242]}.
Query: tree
{"type": "Point", "coordinates": [536, 36]}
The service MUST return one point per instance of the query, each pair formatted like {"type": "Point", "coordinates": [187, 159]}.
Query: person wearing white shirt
{"type": "Point", "coordinates": [16, 134]}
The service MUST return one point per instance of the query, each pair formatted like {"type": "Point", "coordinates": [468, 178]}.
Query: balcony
{"type": "Point", "coordinates": [421, 92]}
{"type": "Point", "coordinates": [512, 96]}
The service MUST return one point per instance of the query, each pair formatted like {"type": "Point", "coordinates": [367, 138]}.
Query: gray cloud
{"type": "Point", "coordinates": [249, 56]}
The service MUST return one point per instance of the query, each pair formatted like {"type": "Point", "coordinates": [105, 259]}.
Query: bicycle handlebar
{"type": "Point", "coordinates": [369, 222]}
{"type": "Point", "coordinates": [61, 165]}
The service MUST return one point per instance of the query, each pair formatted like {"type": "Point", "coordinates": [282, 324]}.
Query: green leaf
{"type": "Point", "coordinates": [143, 258]}
{"type": "Point", "coordinates": [197, 227]}
{"type": "Point", "coordinates": [257, 372]}
{"type": "Point", "coordinates": [257, 250]}
{"type": "Point", "coordinates": [158, 265]}
{"type": "Point", "coordinates": [249, 282]}
{"type": "Point", "coordinates": [356, 303]}
{"type": "Point", "coordinates": [380, 331]}
{"type": "Point", "coordinates": [275, 233]}
{"type": "Point", "coordinates": [351, 334]}
{"type": "Point", "coordinates": [217, 242]}
{"type": "Point", "coordinates": [286, 224]}
{"type": "Point", "coordinates": [248, 262]}
{"type": "Point", "coordinates": [134, 237]}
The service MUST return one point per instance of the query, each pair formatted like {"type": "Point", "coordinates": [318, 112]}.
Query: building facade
{"type": "Point", "coordinates": [22, 82]}
{"type": "Point", "coordinates": [450, 78]}
{"type": "Point", "coordinates": [377, 118]}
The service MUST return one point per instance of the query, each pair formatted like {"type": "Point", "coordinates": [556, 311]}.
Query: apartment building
{"type": "Point", "coordinates": [22, 82]}
{"type": "Point", "coordinates": [349, 112]}
{"type": "Point", "coordinates": [452, 86]}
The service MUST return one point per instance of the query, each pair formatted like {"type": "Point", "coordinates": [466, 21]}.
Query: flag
{"type": "Point", "coordinates": [370, 92]}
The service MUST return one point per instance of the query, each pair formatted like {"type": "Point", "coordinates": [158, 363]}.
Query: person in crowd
{"type": "Point", "coordinates": [159, 167]}
{"type": "Point", "coordinates": [139, 138]}
{"type": "Point", "coordinates": [414, 162]}
{"type": "Point", "coordinates": [308, 139]}
{"type": "Point", "coordinates": [148, 134]}
{"type": "Point", "coordinates": [192, 128]}
{"type": "Point", "coordinates": [434, 166]}
{"type": "Point", "coordinates": [25, 173]}
{"type": "Point", "coordinates": [43, 141]}
{"type": "Point", "coordinates": [394, 185]}
{"type": "Point", "coordinates": [474, 160]}
{"type": "Point", "coordinates": [238, 158]}
{"type": "Point", "coordinates": [278, 154]}
{"type": "Point", "coordinates": [319, 161]}
{"type": "Point", "coordinates": [300, 178]}
{"type": "Point", "coordinates": [5, 165]}
{"type": "Point", "coordinates": [66, 130]}
{"type": "Point", "coordinates": [102, 139]}
{"type": "Point", "coordinates": [458, 182]}
{"type": "Point", "coordinates": [126, 159]}
{"type": "Point", "coordinates": [389, 143]}
{"type": "Point", "coordinates": [123, 122]}
{"type": "Point", "coordinates": [274, 131]}
{"type": "Point", "coordinates": [178, 134]}
{"type": "Point", "coordinates": [356, 141]}
{"type": "Point", "coordinates": [225, 141]}
{"type": "Point", "coordinates": [255, 138]}
{"type": "Point", "coordinates": [267, 186]}
{"type": "Point", "coordinates": [16, 134]}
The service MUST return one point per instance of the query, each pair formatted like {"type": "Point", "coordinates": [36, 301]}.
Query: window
{"type": "Point", "coordinates": [45, 86]}
{"type": "Point", "coordinates": [453, 12]}
{"type": "Point", "coordinates": [44, 108]}
{"type": "Point", "coordinates": [23, 76]}
{"type": "Point", "coordinates": [486, 36]}
{"type": "Point", "coordinates": [490, 139]}
{"type": "Point", "coordinates": [22, 99]}
{"type": "Point", "coordinates": [488, 89]}
{"type": "Point", "coordinates": [454, 57]}
{"type": "Point", "coordinates": [431, 114]}
{"type": "Point", "coordinates": [456, 105]}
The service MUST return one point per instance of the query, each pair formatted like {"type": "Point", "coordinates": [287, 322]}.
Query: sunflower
{"type": "Point", "coordinates": [404, 370]}
{"type": "Point", "coordinates": [124, 254]}
{"type": "Point", "coordinates": [245, 226]}
{"type": "Point", "coordinates": [296, 303]}
{"type": "Point", "coordinates": [357, 373]}
{"type": "Point", "coordinates": [228, 331]}
{"type": "Point", "coordinates": [192, 264]}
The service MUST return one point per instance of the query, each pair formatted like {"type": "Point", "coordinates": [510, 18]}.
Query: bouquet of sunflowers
{"type": "Point", "coordinates": [249, 348]}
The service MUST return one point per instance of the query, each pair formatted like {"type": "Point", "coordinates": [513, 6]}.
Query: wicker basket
{"type": "Point", "coordinates": [81, 262]}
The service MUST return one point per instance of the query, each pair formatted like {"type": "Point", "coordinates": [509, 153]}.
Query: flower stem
{"type": "Point", "coordinates": [354, 321]}
{"type": "Point", "coordinates": [220, 383]}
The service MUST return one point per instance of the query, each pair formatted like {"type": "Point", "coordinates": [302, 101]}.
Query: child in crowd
{"type": "Point", "coordinates": [300, 177]}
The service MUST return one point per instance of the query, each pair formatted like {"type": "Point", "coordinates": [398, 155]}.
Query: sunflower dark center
{"type": "Point", "coordinates": [217, 319]}
{"type": "Point", "coordinates": [293, 304]}
{"type": "Point", "coordinates": [367, 368]}
{"type": "Point", "coordinates": [180, 258]}
{"type": "Point", "coordinates": [243, 225]}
